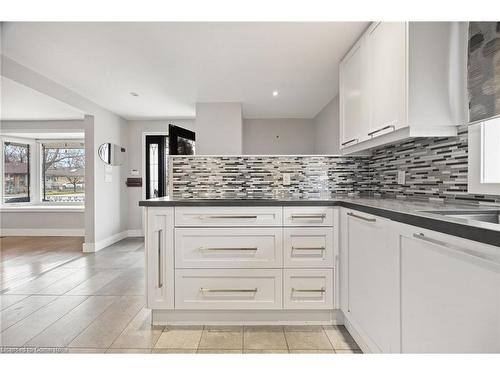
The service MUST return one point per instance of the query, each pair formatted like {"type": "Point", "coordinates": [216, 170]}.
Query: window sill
{"type": "Point", "coordinates": [42, 208]}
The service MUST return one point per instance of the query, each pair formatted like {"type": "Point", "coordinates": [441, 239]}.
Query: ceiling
{"type": "Point", "coordinates": [174, 65]}
{"type": "Point", "coordinates": [19, 102]}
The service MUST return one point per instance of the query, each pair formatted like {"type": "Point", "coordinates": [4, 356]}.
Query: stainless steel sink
{"type": "Point", "coordinates": [478, 215]}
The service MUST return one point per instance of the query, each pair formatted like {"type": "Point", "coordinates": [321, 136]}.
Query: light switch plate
{"type": "Point", "coordinates": [401, 177]}
{"type": "Point", "coordinates": [287, 180]}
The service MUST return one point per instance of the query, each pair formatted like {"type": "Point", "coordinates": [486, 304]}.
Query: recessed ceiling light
{"type": "Point", "coordinates": [134, 94]}
{"type": "Point", "coordinates": [275, 93]}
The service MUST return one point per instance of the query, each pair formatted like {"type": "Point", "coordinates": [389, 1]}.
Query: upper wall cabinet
{"type": "Point", "coordinates": [403, 80]}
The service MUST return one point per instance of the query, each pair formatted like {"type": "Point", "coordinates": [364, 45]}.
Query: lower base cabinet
{"type": "Point", "coordinates": [450, 299]}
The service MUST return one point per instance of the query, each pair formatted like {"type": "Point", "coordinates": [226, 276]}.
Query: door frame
{"type": "Point", "coordinates": [143, 158]}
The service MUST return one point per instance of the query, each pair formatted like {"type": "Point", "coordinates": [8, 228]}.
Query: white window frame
{"type": "Point", "coordinates": [476, 161]}
{"type": "Point", "coordinates": [36, 183]}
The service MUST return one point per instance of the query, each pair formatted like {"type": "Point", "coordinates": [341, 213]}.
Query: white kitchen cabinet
{"type": "Point", "coordinates": [353, 95]}
{"type": "Point", "coordinates": [386, 44]}
{"type": "Point", "coordinates": [412, 83]}
{"type": "Point", "coordinates": [228, 216]}
{"type": "Point", "coordinates": [373, 280]}
{"type": "Point", "coordinates": [308, 289]}
{"type": "Point", "coordinates": [450, 290]}
{"type": "Point", "coordinates": [308, 216]}
{"type": "Point", "coordinates": [308, 247]}
{"type": "Point", "coordinates": [159, 244]}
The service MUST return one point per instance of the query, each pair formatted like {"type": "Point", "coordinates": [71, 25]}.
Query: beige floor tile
{"type": "Point", "coordinates": [128, 351]}
{"type": "Point", "coordinates": [107, 327]}
{"type": "Point", "coordinates": [29, 327]}
{"type": "Point", "coordinates": [7, 300]}
{"type": "Point", "coordinates": [262, 337]}
{"type": "Point", "coordinates": [264, 351]}
{"type": "Point", "coordinates": [310, 340]}
{"type": "Point", "coordinates": [63, 331]}
{"type": "Point", "coordinates": [219, 351]}
{"type": "Point", "coordinates": [18, 311]}
{"type": "Point", "coordinates": [340, 338]}
{"type": "Point", "coordinates": [180, 337]}
{"type": "Point", "coordinates": [348, 351]}
{"type": "Point", "coordinates": [85, 350]}
{"type": "Point", "coordinates": [173, 351]}
{"type": "Point", "coordinates": [303, 328]}
{"type": "Point", "coordinates": [139, 333]}
{"type": "Point", "coordinates": [222, 337]}
{"type": "Point", "coordinates": [304, 351]}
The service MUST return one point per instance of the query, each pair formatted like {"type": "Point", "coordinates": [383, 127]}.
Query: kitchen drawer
{"type": "Point", "coordinates": [228, 216]}
{"type": "Point", "coordinates": [308, 216]}
{"type": "Point", "coordinates": [308, 247]}
{"type": "Point", "coordinates": [228, 289]}
{"type": "Point", "coordinates": [228, 247]}
{"type": "Point", "coordinates": [308, 289]}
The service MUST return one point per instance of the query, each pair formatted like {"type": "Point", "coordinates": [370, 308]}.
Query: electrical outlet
{"type": "Point", "coordinates": [401, 177]}
{"type": "Point", "coordinates": [287, 180]}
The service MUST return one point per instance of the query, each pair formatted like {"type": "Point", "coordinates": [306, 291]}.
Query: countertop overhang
{"type": "Point", "coordinates": [405, 211]}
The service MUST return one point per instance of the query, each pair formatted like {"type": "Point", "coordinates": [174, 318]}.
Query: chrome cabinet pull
{"type": "Point", "coordinates": [313, 216]}
{"type": "Point", "coordinates": [381, 129]}
{"type": "Point", "coordinates": [228, 217]}
{"type": "Point", "coordinates": [202, 248]}
{"type": "Point", "coordinates": [460, 249]}
{"type": "Point", "coordinates": [371, 220]}
{"type": "Point", "coordinates": [322, 248]}
{"type": "Point", "coordinates": [322, 290]}
{"type": "Point", "coordinates": [210, 290]}
{"type": "Point", "coordinates": [349, 141]}
{"type": "Point", "coordinates": [160, 276]}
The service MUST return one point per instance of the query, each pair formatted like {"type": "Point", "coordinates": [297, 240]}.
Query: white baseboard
{"type": "Point", "coordinates": [42, 232]}
{"type": "Point", "coordinates": [245, 317]}
{"type": "Point", "coordinates": [99, 245]}
{"type": "Point", "coordinates": [135, 233]}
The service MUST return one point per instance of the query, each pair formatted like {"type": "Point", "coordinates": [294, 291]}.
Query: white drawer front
{"type": "Point", "coordinates": [228, 247]}
{"type": "Point", "coordinates": [228, 289]}
{"type": "Point", "coordinates": [308, 289]}
{"type": "Point", "coordinates": [308, 216]}
{"type": "Point", "coordinates": [308, 247]}
{"type": "Point", "coordinates": [228, 216]}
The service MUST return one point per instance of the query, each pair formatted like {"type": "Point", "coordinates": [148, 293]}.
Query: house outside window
{"type": "Point", "coordinates": [16, 177]}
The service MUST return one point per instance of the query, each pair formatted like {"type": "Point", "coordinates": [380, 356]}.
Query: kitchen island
{"type": "Point", "coordinates": [395, 272]}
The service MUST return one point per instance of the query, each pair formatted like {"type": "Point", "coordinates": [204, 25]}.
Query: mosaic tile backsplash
{"type": "Point", "coordinates": [435, 168]}
{"type": "Point", "coordinates": [261, 176]}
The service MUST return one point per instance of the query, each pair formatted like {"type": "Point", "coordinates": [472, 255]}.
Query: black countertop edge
{"type": "Point", "coordinates": [483, 235]}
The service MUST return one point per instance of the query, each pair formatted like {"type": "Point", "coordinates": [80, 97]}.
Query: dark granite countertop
{"type": "Point", "coordinates": [412, 212]}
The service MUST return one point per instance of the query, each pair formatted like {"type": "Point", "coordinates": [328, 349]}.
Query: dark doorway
{"type": "Point", "coordinates": [156, 165]}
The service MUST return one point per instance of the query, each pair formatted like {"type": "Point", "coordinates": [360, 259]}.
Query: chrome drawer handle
{"type": "Point", "coordinates": [322, 290]}
{"type": "Point", "coordinates": [460, 249]}
{"type": "Point", "coordinates": [371, 220]}
{"type": "Point", "coordinates": [228, 248]}
{"type": "Point", "coordinates": [381, 129]}
{"type": "Point", "coordinates": [349, 141]}
{"type": "Point", "coordinates": [322, 248]}
{"type": "Point", "coordinates": [210, 290]}
{"type": "Point", "coordinates": [202, 217]}
{"type": "Point", "coordinates": [160, 276]}
{"type": "Point", "coordinates": [315, 216]}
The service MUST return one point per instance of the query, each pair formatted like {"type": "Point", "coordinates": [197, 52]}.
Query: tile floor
{"type": "Point", "coordinates": [55, 299]}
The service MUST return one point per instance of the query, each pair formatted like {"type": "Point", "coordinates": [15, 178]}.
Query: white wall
{"type": "Point", "coordinates": [218, 129]}
{"type": "Point", "coordinates": [326, 125]}
{"type": "Point", "coordinates": [108, 205]}
{"type": "Point", "coordinates": [136, 130]}
{"type": "Point", "coordinates": [42, 223]}
{"type": "Point", "coordinates": [278, 137]}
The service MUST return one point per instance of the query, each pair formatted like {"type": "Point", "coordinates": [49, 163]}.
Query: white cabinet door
{"type": "Point", "coordinates": [228, 247]}
{"type": "Point", "coordinates": [450, 295]}
{"type": "Point", "coordinates": [228, 216]}
{"type": "Point", "coordinates": [228, 289]}
{"type": "Point", "coordinates": [373, 280]}
{"type": "Point", "coordinates": [308, 247]}
{"type": "Point", "coordinates": [353, 96]}
{"type": "Point", "coordinates": [386, 43]}
{"type": "Point", "coordinates": [160, 257]}
{"type": "Point", "coordinates": [308, 289]}
{"type": "Point", "coordinates": [308, 216]}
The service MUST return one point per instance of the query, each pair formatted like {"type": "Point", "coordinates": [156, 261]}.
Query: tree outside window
{"type": "Point", "coordinates": [63, 170]}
